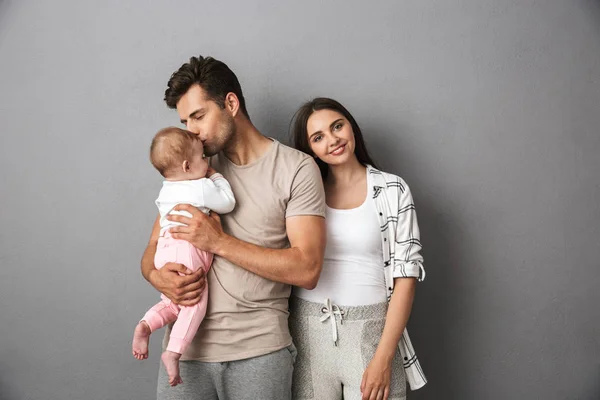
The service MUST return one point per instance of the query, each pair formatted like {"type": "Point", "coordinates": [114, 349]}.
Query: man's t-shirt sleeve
{"type": "Point", "coordinates": [307, 195]}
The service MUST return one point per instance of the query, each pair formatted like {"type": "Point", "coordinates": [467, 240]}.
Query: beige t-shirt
{"type": "Point", "coordinates": [247, 315]}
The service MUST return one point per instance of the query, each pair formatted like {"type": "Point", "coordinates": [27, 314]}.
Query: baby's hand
{"type": "Point", "coordinates": [210, 171]}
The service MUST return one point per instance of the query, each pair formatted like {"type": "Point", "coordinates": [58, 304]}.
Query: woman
{"type": "Point", "coordinates": [350, 330]}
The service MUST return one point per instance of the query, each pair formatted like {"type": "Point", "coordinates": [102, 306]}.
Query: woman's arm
{"type": "Point", "coordinates": [407, 247]}
{"type": "Point", "coordinates": [377, 376]}
{"type": "Point", "coordinates": [397, 317]}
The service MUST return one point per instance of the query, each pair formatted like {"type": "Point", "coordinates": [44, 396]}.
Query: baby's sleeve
{"type": "Point", "coordinates": [218, 195]}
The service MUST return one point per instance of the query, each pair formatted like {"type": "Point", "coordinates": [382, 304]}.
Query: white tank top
{"type": "Point", "coordinates": [352, 273]}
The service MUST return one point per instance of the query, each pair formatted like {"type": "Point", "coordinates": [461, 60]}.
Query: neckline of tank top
{"type": "Point", "coordinates": [357, 208]}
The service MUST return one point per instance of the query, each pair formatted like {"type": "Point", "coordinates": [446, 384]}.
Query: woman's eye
{"type": "Point", "coordinates": [316, 138]}
{"type": "Point", "coordinates": [337, 127]}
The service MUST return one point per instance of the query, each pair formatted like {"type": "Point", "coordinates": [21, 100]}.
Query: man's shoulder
{"type": "Point", "coordinates": [289, 161]}
{"type": "Point", "coordinates": [290, 154]}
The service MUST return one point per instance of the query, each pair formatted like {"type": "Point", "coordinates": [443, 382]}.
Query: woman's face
{"type": "Point", "coordinates": [330, 137]}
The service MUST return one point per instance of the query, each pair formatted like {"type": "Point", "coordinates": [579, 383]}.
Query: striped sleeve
{"type": "Point", "coordinates": [408, 259]}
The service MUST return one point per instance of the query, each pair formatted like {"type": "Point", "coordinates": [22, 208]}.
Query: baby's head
{"type": "Point", "coordinates": [178, 155]}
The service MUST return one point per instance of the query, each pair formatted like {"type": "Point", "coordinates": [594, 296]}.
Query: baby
{"type": "Point", "coordinates": [179, 156]}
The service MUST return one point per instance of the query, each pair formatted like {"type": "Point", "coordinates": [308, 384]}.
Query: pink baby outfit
{"type": "Point", "coordinates": [205, 194]}
{"type": "Point", "coordinates": [187, 319]}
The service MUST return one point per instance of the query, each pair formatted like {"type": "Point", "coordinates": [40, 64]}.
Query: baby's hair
{"type": "Point", "coordinates": [170, 147]}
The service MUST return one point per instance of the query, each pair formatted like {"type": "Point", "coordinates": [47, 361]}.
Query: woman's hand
{"type": "Point", "coordinates": [376, 379]}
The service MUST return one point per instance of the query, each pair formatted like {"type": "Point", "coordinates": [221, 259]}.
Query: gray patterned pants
{"type": "Point", "coordinates": [335, 344]}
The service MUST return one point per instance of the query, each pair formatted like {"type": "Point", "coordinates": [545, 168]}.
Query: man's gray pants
{"type": "Point", "coordinates": [267, 377]}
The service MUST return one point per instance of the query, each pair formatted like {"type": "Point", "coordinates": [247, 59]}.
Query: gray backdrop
{"type": "Point", "coordinates": [489, 109]}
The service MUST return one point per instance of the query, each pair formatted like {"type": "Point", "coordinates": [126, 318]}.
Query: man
{"type": "Point", "coordinates": [274, 238]}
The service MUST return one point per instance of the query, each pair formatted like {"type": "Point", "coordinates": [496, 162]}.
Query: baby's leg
{"type": "Point", "coordinates": [189, 318]}
{"type": "Point", "coordinates": [162, 313]}
{"type": "Point", "coordinates": [158, 316]}
{"type": "Point", "coordinates": [171, 361]}
{"type": "Point", "coordinates": [141, 337]}
{"type": "Point", "coordinates": [183, 332]}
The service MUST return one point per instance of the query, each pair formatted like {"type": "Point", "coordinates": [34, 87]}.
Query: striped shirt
{"type": "Point", "coordinates": [401, 244]}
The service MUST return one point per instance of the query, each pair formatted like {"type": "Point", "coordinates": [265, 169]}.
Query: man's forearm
{"type": "Point", "coordinates": [148, 258]}
{"type": "Point", "coordinates": [148, 262]}
{"type": "Point", "coordinates": [291, 265]}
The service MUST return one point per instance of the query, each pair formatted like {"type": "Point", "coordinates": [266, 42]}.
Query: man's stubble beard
{"type": "Point", "coordinates": [228, 134]}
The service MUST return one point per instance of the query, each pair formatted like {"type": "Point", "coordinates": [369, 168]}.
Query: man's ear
{"type": "Point", "coordinates": [232, 103]}
{"type": "Point", "coordinates": [185, 166]}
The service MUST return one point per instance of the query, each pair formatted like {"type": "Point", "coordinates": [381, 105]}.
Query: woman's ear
{"type": "Point", "coordinates": [185, 166]}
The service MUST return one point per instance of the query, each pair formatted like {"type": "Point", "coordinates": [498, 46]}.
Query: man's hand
{"type": "Point", "coordinates": [182, 286]}
{"type": "Point", "coordinates": [202, 231]}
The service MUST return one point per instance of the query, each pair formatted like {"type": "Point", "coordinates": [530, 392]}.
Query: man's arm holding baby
{"type": "Point", "coordinates": [298, 265]}
{"type": "Point", "coordinates": [182, 290]}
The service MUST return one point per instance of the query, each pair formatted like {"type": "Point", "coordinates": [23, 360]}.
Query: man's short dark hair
{"type": "Point", "coordinates": [213, 76]}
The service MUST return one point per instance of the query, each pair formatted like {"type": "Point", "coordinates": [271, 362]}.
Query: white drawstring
{"type": "Point", "coordinates": [330, 311]}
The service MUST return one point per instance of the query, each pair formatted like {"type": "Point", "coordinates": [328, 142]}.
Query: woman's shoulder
{"type": "Point", "coordinates": [386, 179]}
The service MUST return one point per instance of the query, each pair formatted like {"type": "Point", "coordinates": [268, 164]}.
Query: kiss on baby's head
{"type": "Point", "coordinates": [178, 154]}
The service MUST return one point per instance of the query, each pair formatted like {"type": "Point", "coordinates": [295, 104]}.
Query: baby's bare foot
{"type": "Point", "coordinates": [171, 361]}
{"type": "Point", "coordinates": [141, 336]}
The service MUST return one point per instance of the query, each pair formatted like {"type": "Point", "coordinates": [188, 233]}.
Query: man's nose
{"type": "Point", "coordinates": [196, 131]}
{"type": "Point", "coordinates": [192, 128]}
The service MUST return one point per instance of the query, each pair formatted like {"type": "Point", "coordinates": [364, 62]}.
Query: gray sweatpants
{"type": "Point", "coordinates": [267, 377]}
{"type": "Point", "coordinates": [325, 370]}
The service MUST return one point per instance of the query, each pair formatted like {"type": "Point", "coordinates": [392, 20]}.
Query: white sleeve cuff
{"type": "Point", "coordinates": [410, 269]}
{"type": "Point", "coordinates": [216, 176]}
